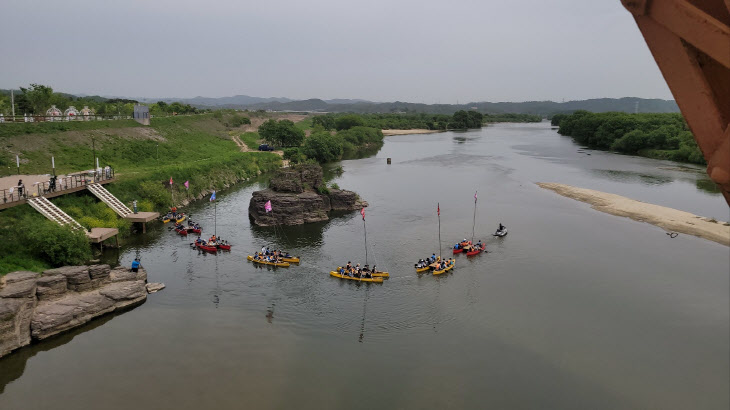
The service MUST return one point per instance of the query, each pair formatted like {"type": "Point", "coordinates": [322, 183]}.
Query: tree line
{"type": "Point", "coordinates": [459, 120]}
{"type": "Point", "coordinates": [36, 99]}
{"type": "Point", "coordinates": [664, 136]}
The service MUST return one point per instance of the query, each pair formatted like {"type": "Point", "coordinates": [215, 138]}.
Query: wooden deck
{"type": "Point", "coordinates": [98, 235]}
{"type": "Point", "coordinates": [142, 217]}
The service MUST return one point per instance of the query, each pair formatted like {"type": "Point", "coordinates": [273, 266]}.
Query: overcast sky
{"type": "Point", "coordinates": [382, 50]}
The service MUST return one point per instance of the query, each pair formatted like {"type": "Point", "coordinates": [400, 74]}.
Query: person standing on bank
{"type": "Point", "coordinates": [135, 265]}
{"type": "Point", "coordinates": [21, 187]}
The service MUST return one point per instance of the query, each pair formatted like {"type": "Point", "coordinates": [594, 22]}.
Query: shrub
{"type": "Point", "coordinates": [335, 186]}
{"type": "Point", "coordinates": [59, 245]}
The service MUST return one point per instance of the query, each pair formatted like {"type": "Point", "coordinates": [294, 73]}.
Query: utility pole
{"type": "Point", "coordinates": [93, 150]}
{"type": "Point", "coordinates": [12, 103]}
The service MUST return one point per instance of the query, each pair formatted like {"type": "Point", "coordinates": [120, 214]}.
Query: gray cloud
{"type": "Point", "coordinates": [419, 51]}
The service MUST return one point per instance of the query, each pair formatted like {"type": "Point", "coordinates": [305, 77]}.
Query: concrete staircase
{"type": "Point", "coordinates": [52, 212]}
{"type": "Point", "coordinates": [109, 199]}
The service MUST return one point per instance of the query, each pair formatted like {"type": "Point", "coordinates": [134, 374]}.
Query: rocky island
{"type": "Point", "coordinates": [299, 195]}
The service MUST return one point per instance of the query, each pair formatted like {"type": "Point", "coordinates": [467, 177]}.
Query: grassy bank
{"type": "Point", "coordinates": [197, 149]}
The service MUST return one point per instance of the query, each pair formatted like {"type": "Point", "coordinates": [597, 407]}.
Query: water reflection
{"type": "Point", "coordinates": [13, 365]}
{"type": "Point", "coordinates": [632, 177]}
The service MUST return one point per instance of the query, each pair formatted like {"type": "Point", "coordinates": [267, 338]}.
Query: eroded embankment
{"type": "Point", "coordinates": [672, 220]}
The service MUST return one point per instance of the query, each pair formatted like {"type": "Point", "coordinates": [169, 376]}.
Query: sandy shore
{"type": "Point", "coordinates": [669, 219]}
{"type": "Point", "coordinates": [412, 131]}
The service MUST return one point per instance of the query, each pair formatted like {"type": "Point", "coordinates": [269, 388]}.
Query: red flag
{"type": "Point", "coordinates": [362, 212]}
{"type": "Point", "coordinates": [438, 209]}
{"type": "Point", "coordinates": [170, 180]}
{"type": "Point", "coordinates": [475, 197]}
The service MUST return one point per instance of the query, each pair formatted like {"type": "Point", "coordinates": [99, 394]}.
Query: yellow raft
{"type": "Point", "coordinates": [292, 259]}
{"type": "Point", "coordinates": [263, 262]}
{"type": "Point", "coordinates": [165, 220]}
{"type": "Point", "coordinates": [181, 219]}
{"type": "Point", "coordinates": [448, 268]}
{"type": "Point", "coordinates": [424, 269]}
{"type": "Point", "coordinates": [373, 279]}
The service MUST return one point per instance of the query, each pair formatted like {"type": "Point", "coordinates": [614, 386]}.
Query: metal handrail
{"type": "Point", "coordinates": [62, 184]}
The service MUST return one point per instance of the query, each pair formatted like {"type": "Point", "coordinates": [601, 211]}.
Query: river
{"type": "Point", "coordinates": [574, 309]}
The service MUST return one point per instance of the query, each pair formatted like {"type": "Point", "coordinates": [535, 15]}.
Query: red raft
{"type": "Point", "coordinates": [182, 232]}
{"type": "Point", "coordinates": [460, 249]}
{"type": "Point", "coordinates": [475, 251]}
{"type": "Point", "coordinates": [225, 247]}
{"type": "Point", "coordinates": [211, 249]}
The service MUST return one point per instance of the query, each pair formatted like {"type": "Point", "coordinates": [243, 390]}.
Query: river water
{"type": "Point", "coordinates": [574, 309]}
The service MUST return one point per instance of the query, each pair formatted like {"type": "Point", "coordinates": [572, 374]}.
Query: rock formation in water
{"type": "Point", "coordinates": [298, 195]}
{"type": "Point", "coordinates": [35, 307]}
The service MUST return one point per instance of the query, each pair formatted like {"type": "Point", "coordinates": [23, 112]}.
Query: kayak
{"type": "Point", "coordinates": [263, 262]}
{"type": "Point", "coordinates": [448, 268]}
{"type": "Point", "coordinates": [182, 218]}
{"type": "Point", "coordinates": [224, 247]}
{"type": "Point", "coordinates": [424, 269]}
{"type": "Point", "coordinates": [165, 220]}
{"type": "Point", "coordinates": [501, 233]}
{"type": "Point", "coordinates": [211, 249]}
{"type": "Point", "coordinates": [290, 259]}
{"type": "Point", "coordinates": [474, 252]}
{"type": "Point", "coordinates": [460, 250]}
{"type": "Point", "coordinates": [371, 280]}
{"type": "Point", "coordinates": [182, 232]}
{"type": "Point", "coordinates": [381, 275]}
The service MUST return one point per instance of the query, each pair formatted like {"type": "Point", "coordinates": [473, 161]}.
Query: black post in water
{"type": "Point", "coordinates": [366, 240]}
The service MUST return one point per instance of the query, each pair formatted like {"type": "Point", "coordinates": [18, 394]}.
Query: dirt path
{"type": "Point", "coordinates": [243, 147]}
{"type": "Point", "coordinates": [669, 219]}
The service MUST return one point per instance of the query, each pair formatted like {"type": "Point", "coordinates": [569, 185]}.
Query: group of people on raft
{"type": "Point", "coordinates": [265, 251]}
{"type": "Point", "coordinates": [357, 271]}
{"type": "Point", "coordinates": [274, 257]}
{"type": "Point", "coordinates": [212, 241]}
{"type": "Point", "coordinates": [479, 246]}
{"type": "Point", "coordinates": [442, 264]}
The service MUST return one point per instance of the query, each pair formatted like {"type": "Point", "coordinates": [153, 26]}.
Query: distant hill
{"type": "Point", "coordinates": [627, 104]}
{"type": "Point", "coordinates": [544, 108]}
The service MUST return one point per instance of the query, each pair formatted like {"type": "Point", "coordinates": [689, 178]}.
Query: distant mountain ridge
{"type": "Point", "coordinates": [626, 104]}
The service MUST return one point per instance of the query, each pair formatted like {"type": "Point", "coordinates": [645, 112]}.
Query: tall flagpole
{"type": "Point", "coordinates": [438, 211]}
{"type": "Point", "coordinates": [474, 222]}
{"type": "Point", "coordinates": [215, 218]}
{"type": "Point", "coordinates": [366, 239]}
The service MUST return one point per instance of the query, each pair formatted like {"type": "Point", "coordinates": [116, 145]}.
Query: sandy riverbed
{"type": "Point", "coordinates": [412, 131]}
{"type": "Point", "coordinates": [669, 219]}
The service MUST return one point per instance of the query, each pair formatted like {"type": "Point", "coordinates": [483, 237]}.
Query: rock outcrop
{"type": "Point", "coordinates": [298, 196]}
{"type": "Point", "coordinates": [35, 307]}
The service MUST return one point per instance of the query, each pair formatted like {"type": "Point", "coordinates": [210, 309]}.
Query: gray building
{"type": "Point", "coordinates": [142, 114]}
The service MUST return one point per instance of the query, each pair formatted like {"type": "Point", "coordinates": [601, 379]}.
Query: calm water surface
{"type": "Point", "coordinates": [574, 309]}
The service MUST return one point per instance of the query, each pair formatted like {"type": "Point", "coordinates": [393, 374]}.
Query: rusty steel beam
{"type": "Point", "coordinates": [692, 50]}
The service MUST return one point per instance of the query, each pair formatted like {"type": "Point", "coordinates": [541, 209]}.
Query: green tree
{"type": "Point", "coordinates": [326, 121]}
{"type": "Point", "coordinates": [281, 134]}
{"type": "Point", "coordinates": [346, 122]}
{"type": "Point", "coordinates": [39, 97]}
{"type": "Point", "coordinates": [323, 147]}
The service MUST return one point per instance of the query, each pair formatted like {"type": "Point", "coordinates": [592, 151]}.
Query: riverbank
{"type": "Point", "coordinates": [669, 219]}
{"type": "Point", "coordinates": [411, 131]}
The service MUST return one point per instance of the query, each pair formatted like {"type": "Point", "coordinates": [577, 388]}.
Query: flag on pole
{"type": "Point", "coordinates": [475, 197]}
{"type": "Point", "coordinates": [187, 184]}
{"type": "Point", "coordinates": [212, 197]}
{"type": "Point", "coordinates": [438, 209]}
{"type": "Point", "coordinates": [170, 180]}
{"type": "Point", "coordinates": [362, 212]}
{"type": "Point", "coordinates": [267, 206]}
